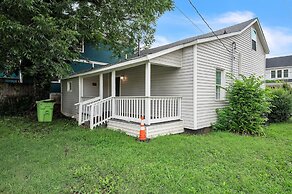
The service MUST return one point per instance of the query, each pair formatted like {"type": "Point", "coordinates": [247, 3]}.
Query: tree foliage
{"type": "Point", "coordinates": [248, 105]}
{"type": "Point", "coordinates": [43, 33]}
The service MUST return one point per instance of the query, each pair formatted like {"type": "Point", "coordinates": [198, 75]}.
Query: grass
{"type": "Point", "coordinates": [60, 157]}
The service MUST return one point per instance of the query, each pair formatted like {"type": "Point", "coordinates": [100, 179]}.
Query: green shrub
{"type": "Point", "coordinates": [248, 105]}
{"type": "Point", "coordinates": [281, 104]}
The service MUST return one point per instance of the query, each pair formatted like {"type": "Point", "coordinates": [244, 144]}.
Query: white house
{"type": "Point", "coordinates": [279, 69]}
{"type": "Point", "coordinates": [175, 86]}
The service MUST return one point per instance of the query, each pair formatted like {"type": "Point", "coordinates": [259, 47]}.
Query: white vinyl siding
{"type": "Point", "coordinates": [70, 98]}
{"type": "Point", "coordinates": [171, 59]}
{"type": "Point", "coordinates": [134, 82]}
{"type": "Point", "coordinates": [170, 81]}
{"type": "Point", "coordinates": [212, 56]}
{"type": "Point", "coordinates": [91, 86]}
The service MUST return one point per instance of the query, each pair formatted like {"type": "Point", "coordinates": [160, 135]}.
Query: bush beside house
{"type": "Point", "coordinates": [248, 105]}
{"type": "Point", "coordinates": [281, 108]}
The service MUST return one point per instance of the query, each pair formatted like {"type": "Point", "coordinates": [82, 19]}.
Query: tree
{"type": "Point", "coordinates": [39, 36]}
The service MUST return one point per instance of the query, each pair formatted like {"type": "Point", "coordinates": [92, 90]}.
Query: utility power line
{"type": "Point", "coordinates": [208, 25]}
{"type": "Point", "coordinates": [189, 19]}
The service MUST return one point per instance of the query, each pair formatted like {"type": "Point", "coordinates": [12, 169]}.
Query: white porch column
{"type": "Point", "coordinates": [101, 86]}
{"type": "Point", "coordinates": [80, 84]}
{"type": "Point", "coordinates": [147, 92]}
{"type": "Point", "coordinates": [113, 83]}
{"type": "Point", "coordinates": [113, 92]}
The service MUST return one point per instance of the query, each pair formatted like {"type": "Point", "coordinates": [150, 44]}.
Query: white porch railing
{"type": "Point", "coordinates": [165, 109]}
{"type": "Point", "coordinates": [160, 109]}
{"type": "Point", "coordinates": [84, 109]}
{"type": "Point", "coordinates": [130, 108]}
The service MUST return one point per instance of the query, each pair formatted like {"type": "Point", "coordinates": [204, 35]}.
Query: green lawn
{"type": "Point", "coordinates": [60, 157]}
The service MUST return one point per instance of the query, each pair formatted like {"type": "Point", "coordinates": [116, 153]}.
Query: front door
{"type": "Point", "coordinates": [118, 86]}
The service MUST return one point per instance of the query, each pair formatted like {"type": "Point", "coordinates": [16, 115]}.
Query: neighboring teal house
{"type": "Point", "coordinates": [90, 58]}
{"type": "Point", "coordinates": [13, 78]}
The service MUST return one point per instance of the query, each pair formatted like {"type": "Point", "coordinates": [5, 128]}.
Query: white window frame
{"type": "Point", "coordinates": [69, 86]}
{"type": "Point", "coordinates": [56, 81]}
{"type": "Point", "coordinates": [222, 84]}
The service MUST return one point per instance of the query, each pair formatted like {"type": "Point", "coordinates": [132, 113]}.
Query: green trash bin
{"type": "Point", "coordinates": [45, 110]}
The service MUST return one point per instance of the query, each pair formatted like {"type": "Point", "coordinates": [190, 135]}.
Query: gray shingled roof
{"type": "Point", "coordinates": [231, 29]}
{"type": "Point", "coordinates": [227, 30]}
{"type": "Point", "coordinates": [279, 61]}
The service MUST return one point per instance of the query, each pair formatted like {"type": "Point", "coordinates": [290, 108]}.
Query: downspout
{"type": "Point", "coordinates": [232, 56]}
{"type": "Point", "coordinates": [139, 48]}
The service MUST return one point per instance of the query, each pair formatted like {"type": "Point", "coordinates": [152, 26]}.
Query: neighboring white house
{"type": "Point", "coordinates": [279, 69]}
{"type": "Point", "coordinates": [175, 86]}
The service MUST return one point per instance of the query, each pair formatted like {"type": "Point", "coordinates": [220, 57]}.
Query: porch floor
{"type": "Point", "coordinates": [152, 131]}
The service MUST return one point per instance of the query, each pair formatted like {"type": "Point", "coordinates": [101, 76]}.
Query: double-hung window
{"type": "Point", "coordinates": [254, 39]}
{"type": "Point", "coordinates": [219, 75]}
{"type": "Point", "coordinates": [285, 73]}
{"type": "Point", "coordinates": [273, 74]}
{"type": "Point", "coordinates": [279, 73]}
{"type": "Point", "coordinates": [69, 86]}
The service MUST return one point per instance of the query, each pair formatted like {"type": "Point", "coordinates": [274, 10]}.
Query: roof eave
{"type": "Point", "coordinates": [172, 49]}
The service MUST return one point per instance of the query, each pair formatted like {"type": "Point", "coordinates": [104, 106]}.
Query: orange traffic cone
{"type": "Point", "coordinates": [142, 135]}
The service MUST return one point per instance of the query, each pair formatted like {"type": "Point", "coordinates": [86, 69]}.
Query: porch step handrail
{"type": "Point", "coordinates": [93, 99]}
{"type": "Point", "coordinates": [101, 111]}
{"type": "Point", "coordinates": [84, 109]}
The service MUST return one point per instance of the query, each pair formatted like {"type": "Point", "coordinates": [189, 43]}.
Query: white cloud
{"type": "Point", "coordinates": [279, 40]}
{"type": "Point", "coordinates": [234, 17]}
{"type": "Point", "coordinates": [160, 40]}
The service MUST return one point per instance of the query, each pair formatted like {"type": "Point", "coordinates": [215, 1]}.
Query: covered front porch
{"type": "Point", "coordinates": [127, 95]}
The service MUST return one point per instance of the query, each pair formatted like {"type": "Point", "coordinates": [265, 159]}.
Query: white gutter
{"type": "Point", "coordinates": [116, 66]}
{"type": "Point", "coordinates": [89, 61]}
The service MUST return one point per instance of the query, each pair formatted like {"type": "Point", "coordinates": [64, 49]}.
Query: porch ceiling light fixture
{"type": "Point", "coordinates": [123, 77]}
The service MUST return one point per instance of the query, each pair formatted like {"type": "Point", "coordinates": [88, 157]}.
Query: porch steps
{"type": "Point", "coordinates": [152, 131]}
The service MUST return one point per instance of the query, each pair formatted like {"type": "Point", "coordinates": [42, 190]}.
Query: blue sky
{"type": "Point", "coordinates": [275, 17]}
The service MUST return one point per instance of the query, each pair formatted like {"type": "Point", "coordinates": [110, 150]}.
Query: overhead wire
{"type": "Point", "coordinates": [193, 23]}
{"type": "Point", "coordinates": [191, 3]}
